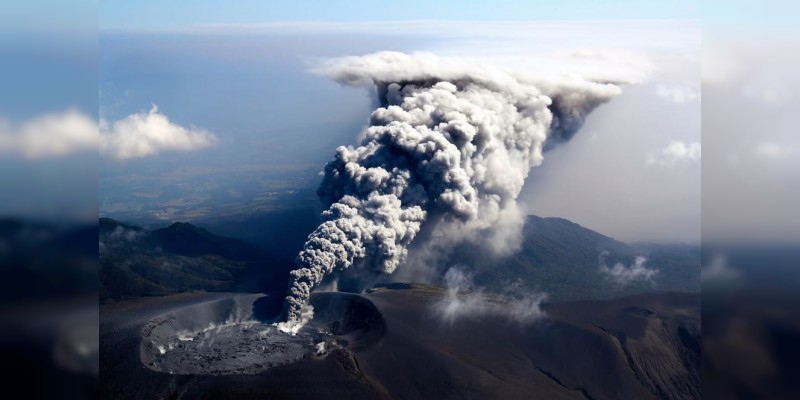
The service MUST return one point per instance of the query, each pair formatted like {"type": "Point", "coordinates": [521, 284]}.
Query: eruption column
{"type": "Point", "coordinates": [449, 140]}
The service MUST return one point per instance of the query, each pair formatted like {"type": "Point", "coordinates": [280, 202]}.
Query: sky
{"type": "Point", "coordinates": [233, 85]}
{"type": "Point", "coordinates": [148, 14]}
{"type": "Point", "coordinates": [234, 82]}
{"type": "Point", "coordinates": [48, 104]}
{"type": "Point", "coordinates": [275, 122]}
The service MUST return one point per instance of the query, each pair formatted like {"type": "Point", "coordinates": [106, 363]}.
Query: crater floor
{"type": "Point", "coordinates": [222, 337]}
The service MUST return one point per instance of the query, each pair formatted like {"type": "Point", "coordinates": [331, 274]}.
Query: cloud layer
{"type": "Point", "coordinates": [146, 134]}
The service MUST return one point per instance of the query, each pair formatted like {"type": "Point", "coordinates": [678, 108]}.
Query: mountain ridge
{"type": "Point", "coordinates": [556, 256]}
{"type": "Point", "coordinates": [181, 257]}
{"type": "Point", "coordinates": [567, 261]}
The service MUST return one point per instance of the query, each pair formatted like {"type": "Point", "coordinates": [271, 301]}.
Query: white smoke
{"type": "Point", "coordinates": [622, 275]}
{"type": "Point", "coordinates": [464, 300]}
{"type": "Point", "coordinates": [450, 145]}
{"type": "Point", "coordinates": [298, 320]}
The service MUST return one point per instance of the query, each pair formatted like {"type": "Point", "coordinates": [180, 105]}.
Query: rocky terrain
{"type": "Point", "coordinates": [643, 347]}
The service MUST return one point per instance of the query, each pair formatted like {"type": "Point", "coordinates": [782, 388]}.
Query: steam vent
{"type": "Point", "coordinates": [222, 337]}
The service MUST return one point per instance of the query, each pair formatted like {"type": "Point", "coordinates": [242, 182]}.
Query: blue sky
{"type": "Point", "coordinates": [144, 14]}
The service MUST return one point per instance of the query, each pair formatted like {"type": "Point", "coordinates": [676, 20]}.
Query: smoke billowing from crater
{"type": "Point", "coordinates": [450, 144]}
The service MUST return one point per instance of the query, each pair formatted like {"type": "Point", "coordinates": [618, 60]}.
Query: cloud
{"type": "Point", "coordinates": [677, 92]}
{"type": "Point", "coordinates": [773, 150]}
{"type": "Point", "coordinates": [146, 134]}
{"type": "Point", "coordinates": [64, 133]}
{"type": "Point", "coordinates": [623, 275]}
{"type": "Point", "coordinates": [464, 300]}
{"type": "Point", "coordinates": [50, 135]}
{"type": "Point", "coordinates": [676, 153]}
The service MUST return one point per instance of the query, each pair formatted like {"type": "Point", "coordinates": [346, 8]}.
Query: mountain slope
{"type": "Point", "coordinates": [41, 260]}
{"type": "Point", "coordinates": [567, 261]}
{"type": "Point", "coordinates": [191, 241]}
{"type": "Point", "coordinates": [557, 256]}
{"type": "Point", "coordinates": [182, 257]}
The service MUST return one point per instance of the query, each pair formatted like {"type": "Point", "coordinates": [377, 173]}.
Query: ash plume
{"type": "Point", "coordinates": [450, 143]}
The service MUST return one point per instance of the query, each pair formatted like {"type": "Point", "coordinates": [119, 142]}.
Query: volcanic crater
{"type": "Point", "coordinates": [231, 336]}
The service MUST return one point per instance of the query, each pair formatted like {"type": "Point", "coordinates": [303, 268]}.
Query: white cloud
{"type": "Point", "coordinates": [146, 134]}
{"type": "Point", "coordinates": [677, 92]}
{"type": "Point", "coordinates": [50, 135]}
{"type": "Point", "coordinates": [623, 275]}
{"type": "Point", "coordinates": [775, 150]}
{"type": "Point", "coordinates": [677, 152]}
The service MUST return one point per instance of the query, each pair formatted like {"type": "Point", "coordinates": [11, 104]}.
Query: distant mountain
{"type": "Point", "coordinates": [182, 257]}
{"type": "Point", "coordinates": [108, 226]}
{"type": "Point", "coordinates": [280, 232]}
{"type": "Point", "coordinates": [185, 239]}
{"type": "Point", "coordinates": [557, 256]}
{"type": "Point", "coordinates": [566, 260]}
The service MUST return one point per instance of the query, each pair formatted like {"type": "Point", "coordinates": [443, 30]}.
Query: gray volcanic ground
{"type": "Point", "coordinates": [224, 337]}
{"type": "Point", "coordinates": [389, 344]}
